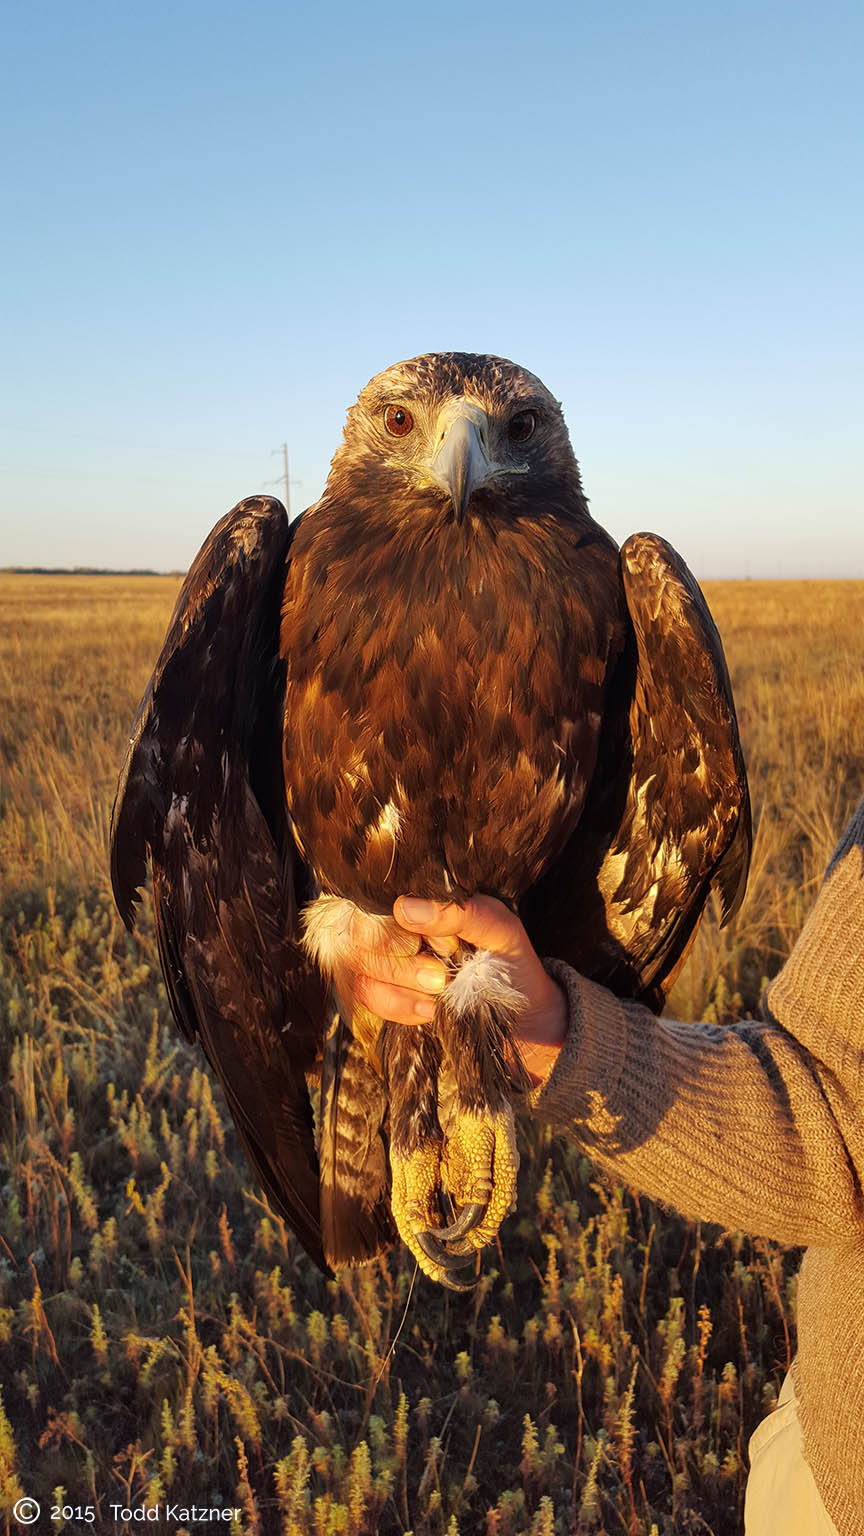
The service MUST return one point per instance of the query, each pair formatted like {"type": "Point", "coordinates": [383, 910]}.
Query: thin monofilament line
{"type": "Point", "coordinates": [386, 1361]}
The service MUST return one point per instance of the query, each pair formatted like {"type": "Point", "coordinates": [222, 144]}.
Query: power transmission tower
{"type": "Point", "coordinates": [285, 478]}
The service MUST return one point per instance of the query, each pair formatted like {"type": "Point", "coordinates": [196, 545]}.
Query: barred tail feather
{"type": "Point", "coordinates": [356, 1224]}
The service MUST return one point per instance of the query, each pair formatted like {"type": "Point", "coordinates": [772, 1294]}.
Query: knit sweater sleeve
{"type": "Point", "coordinates": [758, 1125]}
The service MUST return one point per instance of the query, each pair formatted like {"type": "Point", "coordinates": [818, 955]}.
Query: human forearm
{"type": "Point", "coordinates": [737, 1125]}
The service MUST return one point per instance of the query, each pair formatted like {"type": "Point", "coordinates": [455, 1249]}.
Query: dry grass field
{"type": "Point", "coordinates": [162, 1338]}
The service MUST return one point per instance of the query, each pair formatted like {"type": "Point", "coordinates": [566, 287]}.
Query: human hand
{"type": "Point", "coordinates": [404, 986]}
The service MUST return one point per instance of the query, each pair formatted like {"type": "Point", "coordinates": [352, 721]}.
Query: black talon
{"type": "Point", "coordinates": [469, 1217]}
{"type": "Point", "coordinates": [457, 1285]}
{"type": "Point", "coordinates": [438, 1255]}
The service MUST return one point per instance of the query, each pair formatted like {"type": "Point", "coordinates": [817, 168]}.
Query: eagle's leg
{"type": "Point", "coordinates": [408, 1059]}
{"type": "Point", "coordinates": [475, 1158]}
{"type": "Point", "coordinates": [411, 1058]}
{"type": "Point", "coordinates": [483, 1071]}
{"type": "Point", "coordinates": [479, 1169]}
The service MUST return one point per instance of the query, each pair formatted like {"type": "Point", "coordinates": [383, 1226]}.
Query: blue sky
{"type": "Point", "coordinates": [222, 221]}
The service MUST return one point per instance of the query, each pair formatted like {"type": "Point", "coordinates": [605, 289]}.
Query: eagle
{"type": "Point", "coordinates": [444, 678]}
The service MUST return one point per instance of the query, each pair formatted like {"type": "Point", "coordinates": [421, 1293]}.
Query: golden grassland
{"type": "Point", "coordinates": [162, 1337]}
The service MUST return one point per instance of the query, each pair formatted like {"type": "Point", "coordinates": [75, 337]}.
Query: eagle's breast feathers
{"type": "Point", "coordinates": [440, 745]}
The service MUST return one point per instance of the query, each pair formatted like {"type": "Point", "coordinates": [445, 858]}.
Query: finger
{"type": "Point", "coordinates": [421, 973]}
{"type": "Point", "coordinates": [445, 945]}
{"type": "Point", "coordinates": [482, 921]}
{"type": "Point", "coordinates": [401, 1004]}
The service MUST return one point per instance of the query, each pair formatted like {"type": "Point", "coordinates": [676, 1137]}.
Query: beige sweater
{"type": "Point", "coordinates": [760, 1127]}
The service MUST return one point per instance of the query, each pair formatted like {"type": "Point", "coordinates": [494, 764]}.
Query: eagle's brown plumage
{"type": "Point", "coordinates": [443, 679]}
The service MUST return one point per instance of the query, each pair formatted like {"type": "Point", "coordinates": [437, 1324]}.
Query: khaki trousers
{"type": "Point", "coordinates": [782, 1499]}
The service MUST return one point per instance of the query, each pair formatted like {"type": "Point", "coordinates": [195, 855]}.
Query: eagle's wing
{"type": "Point", "coordinates": [668, 811]}
{"type": "Point", "coordinates": [201, 790]}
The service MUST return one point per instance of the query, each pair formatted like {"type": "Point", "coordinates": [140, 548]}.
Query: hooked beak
{"type": "Point", "coordinates": [461, 464]}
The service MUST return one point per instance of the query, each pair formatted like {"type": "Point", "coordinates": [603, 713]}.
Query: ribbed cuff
{"type": "Point", "coordinates": [587, 1069]}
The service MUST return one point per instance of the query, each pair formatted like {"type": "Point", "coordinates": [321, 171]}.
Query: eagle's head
{"type": "Point", "coordinates": [461, 426]}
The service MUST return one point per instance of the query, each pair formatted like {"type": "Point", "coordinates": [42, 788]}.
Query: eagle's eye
{"type": "Point", "coordinates": [398, 421]}
{"type": "Point", "coordinates": [521, 426]}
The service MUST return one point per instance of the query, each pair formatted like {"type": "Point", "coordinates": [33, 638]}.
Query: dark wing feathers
{"type": "Point", "coordinates": [250, 998]}
{"type": "Point", "coordinates": [213, 682]}
{"type": "Point", "coordinates": [201, 792]}
{"type": "Point", "coordinates": [687, 751]}
{"type": "Point", "coordinates": [668, 811]}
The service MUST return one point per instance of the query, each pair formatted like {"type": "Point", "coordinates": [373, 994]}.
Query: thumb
{"type": "Point", "coordinates": [483, 921]}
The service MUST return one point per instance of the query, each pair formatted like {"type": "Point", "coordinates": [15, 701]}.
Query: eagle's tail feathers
{"type": "Point", "coordinates": [356, 1224]}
